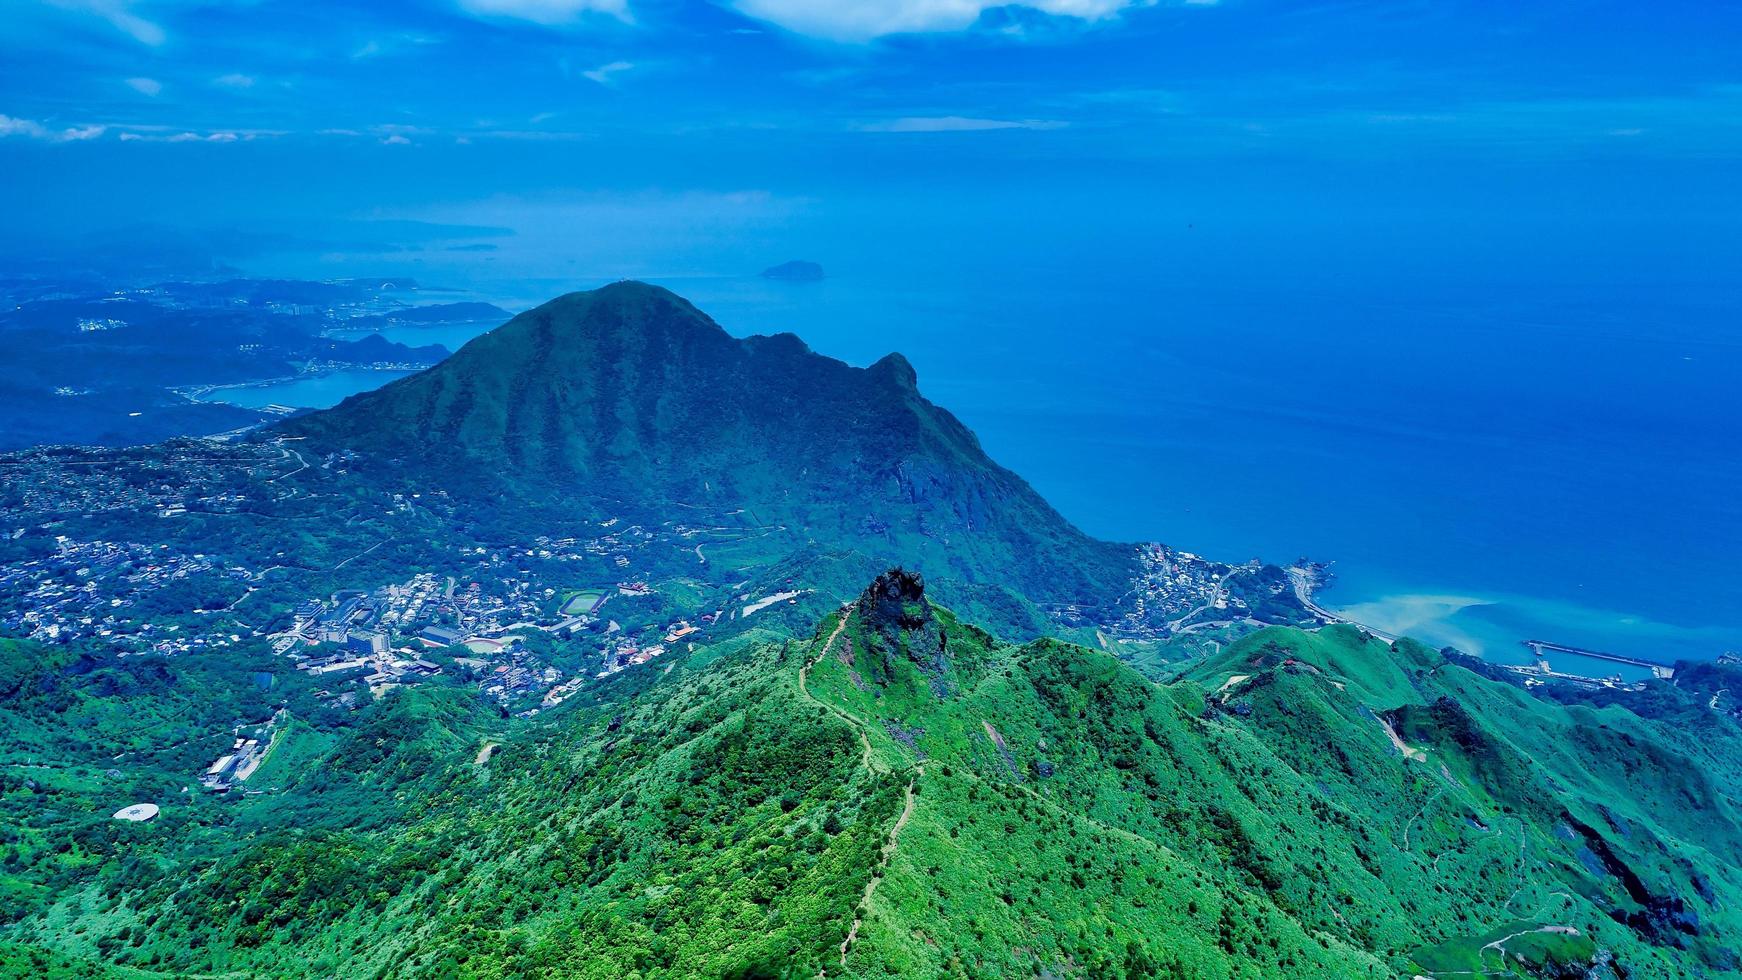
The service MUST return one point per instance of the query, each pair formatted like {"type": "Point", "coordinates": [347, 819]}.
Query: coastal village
{"type": "Point", "coordinates": [526, 626]}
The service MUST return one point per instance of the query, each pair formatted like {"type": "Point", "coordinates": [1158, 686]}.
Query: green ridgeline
{"type": "Point", "coordinates": [903, 795]}
{"type": "Point", "coordinates": [629, 394]}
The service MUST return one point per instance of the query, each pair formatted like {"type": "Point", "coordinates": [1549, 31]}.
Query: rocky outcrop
{"type": "Point", "coordinates": [900, 622]}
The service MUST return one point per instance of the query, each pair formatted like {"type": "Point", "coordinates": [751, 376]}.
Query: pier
{"type": "Point", "coordinates": [1539, 647]}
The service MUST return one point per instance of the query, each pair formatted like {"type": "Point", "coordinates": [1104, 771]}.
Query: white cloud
{"type": "Point", "coordinates": [20, 127]}
{"type": "Point", "coordinates": [545, 11]}
{"type": "Point", "coordinates": [145, 86]}
{"type": "Point", "coordinates": [391, 44]}
{"type": "Point", "coordinates": [31, 129]}
{"type": "Point", "coordinates": [120, 17]}
{"type": "Point", "coordinates": [166, 134]}
{"type": "Point", "coordinates": [861, 20]}
{"type": "Point", "coordinates": [234, 80]}
{"type": "Point", "coordinates": [956, 124]}
{"type": "Point", "coordinates": [395, 140]}
{"type": "Point", "coordinates": [603, 74]}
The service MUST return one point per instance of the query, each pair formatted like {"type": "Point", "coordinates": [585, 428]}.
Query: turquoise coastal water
{"type": "Point", "coordinates": [312, 391]}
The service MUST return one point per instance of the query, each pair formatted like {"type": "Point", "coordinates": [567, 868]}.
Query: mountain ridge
{"type": "Point", "coordinates": [630, 392]}
{"type": "Point", "coordinates": [899, 793]}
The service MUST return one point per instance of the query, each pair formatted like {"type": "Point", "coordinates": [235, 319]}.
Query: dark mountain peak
{"type": "Point", "coordinates": [784, 344]}
{"type": "Point", "coordinates": [627, 300]}
{"type": "Point", "coordinates": [897, 598]}
{"type": "Point", "coordinates": [629, 291]}
{"type": "Point", "coordinates": [573, 335]}
{"type": "Point", "coordinates": [894, 367]}
{"type": "Point", "coordinates": [894, 606]}
{"type": "Point", "coordinates": [899, 621]}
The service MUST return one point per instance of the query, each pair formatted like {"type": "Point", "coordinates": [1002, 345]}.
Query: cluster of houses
{"type": "Point", "coordinates": [234, 766]}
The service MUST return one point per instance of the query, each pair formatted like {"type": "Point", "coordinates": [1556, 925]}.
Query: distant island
{"type": "Point", "coordinates": [795, 271]}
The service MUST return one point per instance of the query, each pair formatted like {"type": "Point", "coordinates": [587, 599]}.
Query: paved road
{"type": "Point", "coordinates": [1303, 592]}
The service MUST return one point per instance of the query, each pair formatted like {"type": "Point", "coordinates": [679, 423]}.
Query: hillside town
{"type": "Point", "coordinates": [526, 625]}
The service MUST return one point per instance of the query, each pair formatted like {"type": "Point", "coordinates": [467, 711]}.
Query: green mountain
{"type": "Point", "coordinates": [903, 795]}
{"type": "Point", "coordinates": [628, 397]}
{"type": "Point", "coordinates": [889, 792]}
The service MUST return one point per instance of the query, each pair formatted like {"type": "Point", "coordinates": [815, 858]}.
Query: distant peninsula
{"type": "Point", "coordinates": [435, 313]}
{"type": "Point", "coordinates": [795, 271]}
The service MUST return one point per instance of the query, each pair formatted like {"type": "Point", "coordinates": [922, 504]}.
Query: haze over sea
{"type": "Point", "coordinates": [1483, 462]}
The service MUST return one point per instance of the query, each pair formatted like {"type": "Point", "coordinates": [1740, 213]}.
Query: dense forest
{"type": "Point", "coordinates": [900, 794]}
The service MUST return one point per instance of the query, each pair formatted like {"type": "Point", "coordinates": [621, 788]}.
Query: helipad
{"type": "Point", "coordinates": [138, 812]}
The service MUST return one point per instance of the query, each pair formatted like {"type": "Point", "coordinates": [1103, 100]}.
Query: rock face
{"type": "Point", "coordinates": [899, 621]}
{"type": "Point", "coordinates": [894, 604]}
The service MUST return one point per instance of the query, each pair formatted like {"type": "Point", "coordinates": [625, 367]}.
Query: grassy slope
{"type": "Point", "coordinates": [1057, 814]}
{"type": "Point", "coordinates": [1291, 798]}
{"type": "Point", "coordinates": [1508, 803]}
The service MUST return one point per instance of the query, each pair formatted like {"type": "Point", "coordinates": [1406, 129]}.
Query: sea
{"type": "Point", "coordinates": [322, 390]}
{"type": "Point", "coordinates": [1480, 464]}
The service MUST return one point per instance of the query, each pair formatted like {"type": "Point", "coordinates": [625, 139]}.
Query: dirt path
{"type": "Point", "coordinates": [1082, 818]}
{"type": "Point", "coordinates": [1417, 815]}
{"type": "Point", "coordinates": [889, 848]}
{"type": "Point", "coordinates": [1499, 945]}
{"type": "Point", "coordinates": [894, 840]}
{"type": "Point", "coordinates": [485, 753]}
{"type": "Point", "coordinates": [849, 720]}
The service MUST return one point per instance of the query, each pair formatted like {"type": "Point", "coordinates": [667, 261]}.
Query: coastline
{"type": "Point", "coordinates": [208, 394]}
{"type": "Point", "coordinates": [1500, 627]}
{"type": "Point", "coordinates": [1305, 583]}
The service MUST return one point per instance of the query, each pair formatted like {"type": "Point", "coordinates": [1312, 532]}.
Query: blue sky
{"type": "Point", "coordinates": [685, 132]}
